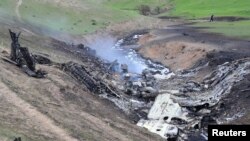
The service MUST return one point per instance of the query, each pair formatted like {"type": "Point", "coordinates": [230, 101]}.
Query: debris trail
{"type": "Point", "coordinates": [31, 112]}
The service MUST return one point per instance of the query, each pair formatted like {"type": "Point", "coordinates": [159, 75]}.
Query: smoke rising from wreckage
{"type": "Point", "coordinates": [176, 113]}
{"type": "Point", "coordinates": [191, 107]}
{"type": "Point", "coordinates": [138, 86]}
{"type": "Point", "coordinates": [137, 77]}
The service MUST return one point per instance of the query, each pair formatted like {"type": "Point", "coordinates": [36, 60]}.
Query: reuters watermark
{"type": "Point", "coordinates": [241, 132]}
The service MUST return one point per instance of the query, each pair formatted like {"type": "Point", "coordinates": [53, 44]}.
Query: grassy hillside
{"type": "Point", "coordinates": [75, 16]}
{"type": "Point", "coordinates": [204, 8]}
{"type": "Point", "coordinates": [197, 9]}
{"type": "Point", "coordinates": [86, 16]}
{"type": "Point", "coordinates": [239, 29]}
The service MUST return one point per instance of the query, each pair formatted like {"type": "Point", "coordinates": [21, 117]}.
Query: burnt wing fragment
{"type": "Point", "coordinates": [92, 83]}
{"type": "Point", "coordinates": [22, 57]}
{"type": "Point", "coordinates": [78, 72]}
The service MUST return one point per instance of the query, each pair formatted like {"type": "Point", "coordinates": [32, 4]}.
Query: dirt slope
{"type": "Point", "coordinates": [45, 123]}
{"type": "Point", "coordinates": [175, 54]}
{"type": "Point", "coordinates": [19, 3]}
{"type": "Point", "coordinates": [58, 109]}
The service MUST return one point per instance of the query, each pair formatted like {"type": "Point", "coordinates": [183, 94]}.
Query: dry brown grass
{"type": "Point", "coordinates": [57, 108]}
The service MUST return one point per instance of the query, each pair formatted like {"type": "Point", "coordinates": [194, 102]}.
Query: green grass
{"type": "Point", "coordinates": [196, 9]}
{"type": "Point", "coordinates": [69, 20]}
{"type": "Point", "coordinates": [204, 8]}
{"type": "Point", "coordinates": [239, 29]}
{"type": "Point", "coordinates": [50, 16]}
{"type": "Point", "coordinates": [55, 18]}
{"type": "Point", "coordinates": [7, 6]}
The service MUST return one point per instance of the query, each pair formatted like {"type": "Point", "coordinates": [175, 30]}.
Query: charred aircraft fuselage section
{"type": "Point", "coordinates": [22, 57]}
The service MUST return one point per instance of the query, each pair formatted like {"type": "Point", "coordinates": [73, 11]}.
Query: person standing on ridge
{"type": "Point", "coordinates": [212, 18]}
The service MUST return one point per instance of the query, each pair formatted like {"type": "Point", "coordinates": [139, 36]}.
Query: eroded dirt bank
{"type": "Point", "coordinates": [182, 47]}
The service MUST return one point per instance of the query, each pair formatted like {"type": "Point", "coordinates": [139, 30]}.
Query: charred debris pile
{"type": "Point", "coordinates": [175, 108]}
{"type": "Point", "coordinates": [185, 108]}
{"type": "Point", "coordinates": [99, 76]}
{"type": "Point", "coordinates": [128, 91]}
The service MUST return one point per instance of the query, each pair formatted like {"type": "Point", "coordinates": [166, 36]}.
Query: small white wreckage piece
{"type": "Point", "coordinates": [160, 115]}
{"type": "Point", "coordinates": [161, 128]}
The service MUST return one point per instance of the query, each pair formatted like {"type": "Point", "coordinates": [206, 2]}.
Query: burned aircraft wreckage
{"type": "Point", "coordinates": [171, 105]}
{"type": "Point", "coordinates": [175, 108]}
{"type": "Point", "coordinates": [21, 57]}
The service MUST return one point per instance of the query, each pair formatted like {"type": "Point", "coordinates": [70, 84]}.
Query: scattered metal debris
{"type": "Point", "coordinates": [40, 59]}
{"type": "Point", "coordinates": [173, 114]}
{"type": "Point", "coordinates": [194, 106]}
{"type": "Point", "coordinates": [18, 139]}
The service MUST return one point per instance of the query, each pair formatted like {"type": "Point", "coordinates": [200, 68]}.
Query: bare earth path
{"type": "Point", "coordinates": [31, 112]}
{"type": "Point", "coordinates": [19, 3]}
